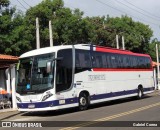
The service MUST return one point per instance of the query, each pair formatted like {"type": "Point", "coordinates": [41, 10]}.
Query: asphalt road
{"type": "Point", "coordinates": [119, 114]}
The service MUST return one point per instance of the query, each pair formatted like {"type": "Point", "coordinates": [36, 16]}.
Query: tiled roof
{"type": "Point", "coordinates": [8, 57]}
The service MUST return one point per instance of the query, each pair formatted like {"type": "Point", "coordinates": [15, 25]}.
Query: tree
{"type": "Point", "coordinates": [72, 28]}
{"type": "Point", "coordinates": [4, 3]}
{"type": "Point", "coordinates": [137, 35]}
{"type": "Point", "coordinates": [98, 30]}
{"type": "Point", "coordinates": [68, 27]}
{"type": "Point", "coordinates": [18, 31]}
{"type": "Point", "coordinates": [12, 37]}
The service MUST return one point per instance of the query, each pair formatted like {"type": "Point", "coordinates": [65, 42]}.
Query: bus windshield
{"type": "Point", "coordinates": [32, 74]}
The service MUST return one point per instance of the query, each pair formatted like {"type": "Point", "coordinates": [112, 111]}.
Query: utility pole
{"type": "Point", "coordinates": [37, 34]}
{"type": "Point", "coordinates": [117, 41]}
{"type": "Point", "coordinates": [50, 34]}
{"type": "Point", "coordinates": [158, 87]}
{"type": "Point", "coordinates": [13, 84]}
{"type": "Point", "coordinates": [104, 27]}
{"type": "Point", "coordinates": [123, 45]}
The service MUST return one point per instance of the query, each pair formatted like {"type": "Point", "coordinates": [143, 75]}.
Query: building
{"type": "Point", "coordinates": [7, 76]}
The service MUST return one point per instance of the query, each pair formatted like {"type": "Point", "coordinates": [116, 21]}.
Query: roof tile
{"type": "Point", "coordinates": [8, 57]}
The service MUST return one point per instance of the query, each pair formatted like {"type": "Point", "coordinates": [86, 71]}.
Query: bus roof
{"type": "Point", "coordinates": [44, 50]}
{"type": "Point", "coordinates": [79, 46]}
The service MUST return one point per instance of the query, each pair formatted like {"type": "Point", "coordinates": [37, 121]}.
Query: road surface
{"type": "Point", "coordinates": [119, 114]}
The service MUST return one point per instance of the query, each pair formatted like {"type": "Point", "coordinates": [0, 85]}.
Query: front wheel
{"type": "Point", "coordinates": [83, 102]}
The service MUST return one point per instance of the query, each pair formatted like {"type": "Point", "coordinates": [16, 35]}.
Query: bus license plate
{"type": "Point", "coordinates": [31, 106]}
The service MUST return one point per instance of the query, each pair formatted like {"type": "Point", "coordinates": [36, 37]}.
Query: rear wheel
{"type": "Point", "coordinates": [83, 101]}
{"type": "Point", "coordinates": [140, 93]}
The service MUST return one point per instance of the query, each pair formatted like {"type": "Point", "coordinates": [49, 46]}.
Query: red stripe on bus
{"type": "Point", "coordinates": [105, 69]}
{"type": "Point", "coordinates": [117, 51]}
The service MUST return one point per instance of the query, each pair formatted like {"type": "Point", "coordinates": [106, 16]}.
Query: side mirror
{"type": "Point", "coordinates": [49, 66]}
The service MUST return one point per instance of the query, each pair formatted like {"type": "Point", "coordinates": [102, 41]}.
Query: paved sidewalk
{"type": "Point", "coordinates": [7, 110]}
{"type": "Point", "coordinates": [156, 92]}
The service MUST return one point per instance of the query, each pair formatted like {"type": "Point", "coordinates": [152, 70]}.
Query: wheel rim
{"type": "Point", "coordinates": [83, 101]}
{"type": "Point", "coordinates": [140, 93]}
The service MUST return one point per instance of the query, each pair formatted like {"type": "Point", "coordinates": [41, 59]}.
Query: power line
{"type": "Point", "coordinates": [26, 3]}
{"type": "Point", "coordinates": [18, 6]}
{"type": "Point", "coordinates": [142, 9]}
{"type": "Point", "coordinates": [85, 12]}
{"type": "Point", "coordinates": [21, 4]}
{"type": "Point", "coordinates": [136, 10]}
{"type": "Point", "coordinates": [125, 12]}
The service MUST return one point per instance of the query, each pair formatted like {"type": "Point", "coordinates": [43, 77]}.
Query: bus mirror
{"type": "Point", "coordinates": [49, 66]}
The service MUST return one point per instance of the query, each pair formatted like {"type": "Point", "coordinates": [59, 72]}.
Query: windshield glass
{"type": "Point", "coordinates": [33, 76]}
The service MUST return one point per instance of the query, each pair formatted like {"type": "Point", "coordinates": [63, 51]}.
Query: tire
{"type": "Point", "coordinates": [140, 93]}
{"type": "Point", "coordinates": [83, 102]}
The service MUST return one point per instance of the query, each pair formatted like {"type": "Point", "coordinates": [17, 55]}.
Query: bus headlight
{"type": "Point", "coordinates": [47, 96]}
{"type": "Point", "coordinates": [18, 99]}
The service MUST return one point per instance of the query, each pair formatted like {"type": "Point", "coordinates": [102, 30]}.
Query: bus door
{"type": "Point", "coordinates": [64, 74]}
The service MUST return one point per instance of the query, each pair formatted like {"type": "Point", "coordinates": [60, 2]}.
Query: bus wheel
{"type": "Point", "coordinates": [140, 93]}
{"type": "Point", "coordinates": [83, 101]}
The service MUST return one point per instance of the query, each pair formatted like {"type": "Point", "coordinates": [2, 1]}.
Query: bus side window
{"type": "Point", "coordinates": [97, 60]}
{"type": "Point", "coordinates": [127, 60]}
{"type": "Point", "coordinates": [82, 59]}
{"type": "Point", "coordinates": [147, 63]}
{"type": "Point", "coordinates": [104, 62]}
{"type": "Point", "coordinates": [120, 61]}
{"type": "Point", "coordinates": [113, 61]}
{"type": "Point", "coordinates": [108, 60]}
{"type": "Point", "coordinates": [83, 62]}
{"type": "Point", "coordinates": [77, 62]}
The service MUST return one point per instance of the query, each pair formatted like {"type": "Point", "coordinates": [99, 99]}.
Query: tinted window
{"type": "Point", "coordinates": [64, 70]}
{"type": "Point", "coordinates": [97, 60]}
{"type": "Point", "coordinates": [82, 59]}
{"type": "Point", "coordinates": [33, 76]}
{"type": "Point", "coordinates": [112, 60]}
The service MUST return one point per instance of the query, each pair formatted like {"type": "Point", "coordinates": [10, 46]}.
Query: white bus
{"type": "Point", "coordinates": [67, 76]}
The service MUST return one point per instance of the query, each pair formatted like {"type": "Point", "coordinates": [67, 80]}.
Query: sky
{"type": "Point", "coordinates": [145, 11]}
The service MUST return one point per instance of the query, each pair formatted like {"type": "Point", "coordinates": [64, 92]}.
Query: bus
{"type": "Point", "coordinates": [66, 76]}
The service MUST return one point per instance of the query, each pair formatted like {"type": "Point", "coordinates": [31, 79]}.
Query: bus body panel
{"type": "Point", "coordinates": [114, 84]}
{"type": "Point", "coordinates": [102, 84]}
